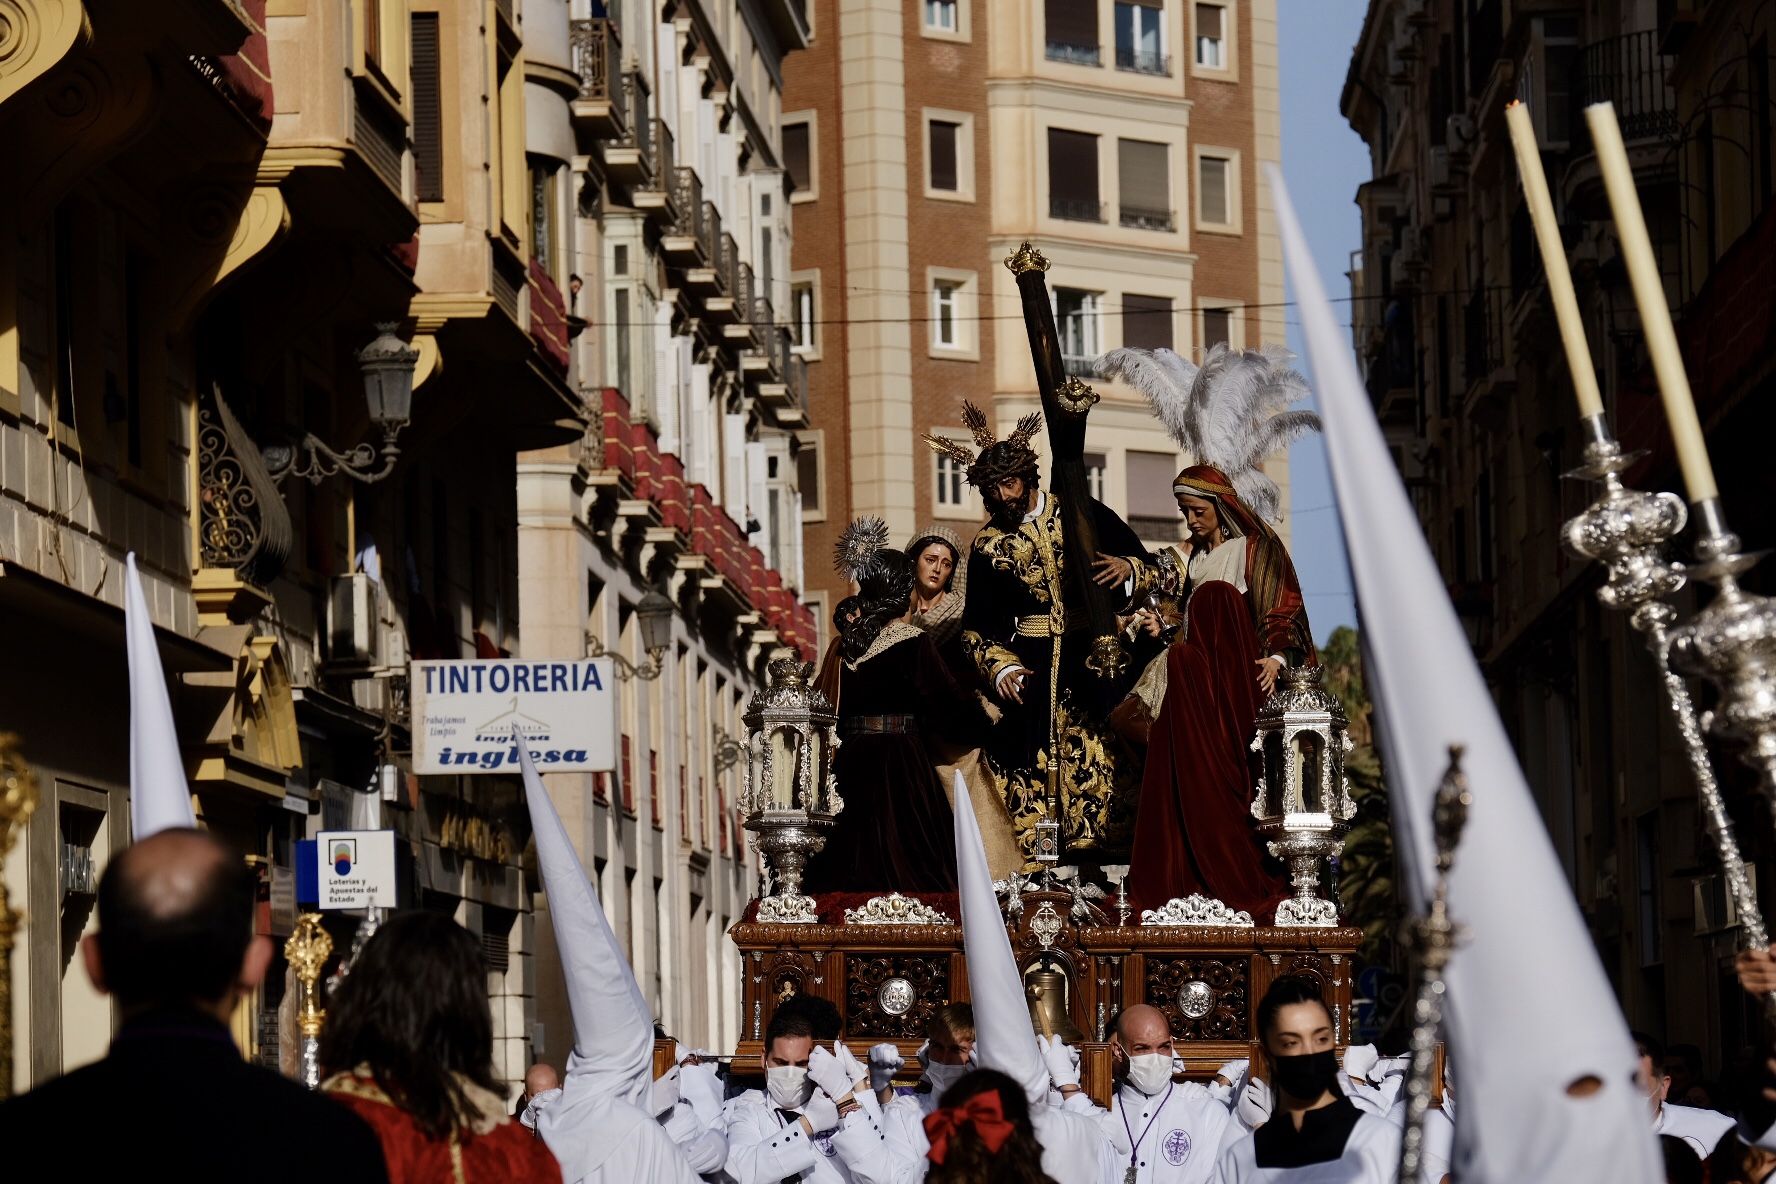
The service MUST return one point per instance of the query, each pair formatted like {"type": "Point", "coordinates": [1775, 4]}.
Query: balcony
{"type": "Point", "coordinates": [708, 277]}
{"type": "Point", "coordinates": [629, 159]}
{"type": "Point", "coordinates": [1074, 209]}
{"type": "Point", "coordinates": [1079, 365]}
{"type": "Point", "coordinates": [1487, 361]}
{"type": "Point", "coordinates": [1630, 73]}
{"type": "Point", "coordinates": [1075, 55]}
{"type": "Point", "coordinates": [598, 60]}
{"type": "Point", "coordinates": [739, 330]}
{"type": "Point", "coordinates": [1143, 61]}
{"type": "Point", "coordinates": [682, 243]}
{"type": "Point", "coordinates": [548, 317]}
{"type": "Point", "coordinates": [783, 384]}
{"type": "Point", "coordinates": [654, 195]}
{"type": "Point", "coordinates": [1137, 218]}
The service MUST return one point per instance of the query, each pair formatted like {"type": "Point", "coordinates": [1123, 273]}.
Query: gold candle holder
{"type": "Point", "coordinates": [307, 950]}
{"type": "Point", "coordinates": [18, 801]}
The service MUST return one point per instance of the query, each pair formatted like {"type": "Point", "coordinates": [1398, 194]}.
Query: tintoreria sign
{"type": "Point", "coordinates": [464, 714]}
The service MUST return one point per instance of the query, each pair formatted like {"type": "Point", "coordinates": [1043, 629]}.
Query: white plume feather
{"type": "Point", "coordinates": [1232, 411]}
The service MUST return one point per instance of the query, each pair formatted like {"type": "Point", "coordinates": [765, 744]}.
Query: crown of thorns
{"type": "Point", "coordinates": [998, 459]}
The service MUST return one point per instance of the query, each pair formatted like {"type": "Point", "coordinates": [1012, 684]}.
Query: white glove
{"type": "Point", "coordinates": [854, 1068]}
{"type": "Point", "coordinates": [663, 1095]}
{"type": "Point", "coordinates": [698, 1085]}
{"type": "Point", "coordinates": [884, 1063]}
{"type": "Point", "coordinates": [828, 1072]}
{"type": "Point", "coordinates": [820, 1112]}
{"type": "Point", "coordinates": [1062, 1061]}
{"type": "Point", "coordinates": [682, 1053]}
{"type": "Point", "coordinates": [1253, 1107]}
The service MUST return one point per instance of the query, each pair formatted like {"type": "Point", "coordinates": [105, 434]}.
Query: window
{"type": "Point", "coordinates": [1073, 176]}
{"type": "Point", "coordinates": [1095, 463]}
{"type": "Point", "coordinates": [941, 135]}
{"type": "Point", "coordinates": [801, 315]}
{"type": "Point", "coordinates": [1646, 860]}
{"type": "Point", "coordinates": [798, 157]}
{"type": "Point", "coordinates": [1214, 190]}
{"type": "Point", "coordinates": [942, 16]}
{"type": "Point", "coordinates": [621, 298]}
{"type": "Point", "coordinates": [945, 333]}
{"type": "Point", "coordinates": [954, 495]}
{"type": "Point", "coordinates": [810, 474]}
{"type": "Point", "coordinates": [1217, 328]}
{"type": "Point", "coordinates": [1076, 316]}
{"type": "Point", "coordinates": [1552, 77]}
{"type": "Point", "coordinates": [1071, 30]}
{"type": "Point", "coordinates": [1143, 173]}
{"type": "Point", "coordinates": [1138, 38]}
{"type": "Point", "coordinates": [1146, 321]}
{"type": "Point", "coordinates": [428, 109]}
{"type": "Point", "coordinates": [1211, 36]}
{"type": "Point", "coordinates": [1153, 508]}
{"type": "Point", "coordinates": [542, 214]}
{"type": "Point", "coordinates": [373, 31]}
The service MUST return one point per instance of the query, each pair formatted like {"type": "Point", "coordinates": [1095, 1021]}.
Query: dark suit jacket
{"type": "Point", "coordinates": [174, 1099]}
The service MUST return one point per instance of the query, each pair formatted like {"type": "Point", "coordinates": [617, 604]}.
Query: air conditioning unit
{"type": "Point", "coordinates": [351, 622]}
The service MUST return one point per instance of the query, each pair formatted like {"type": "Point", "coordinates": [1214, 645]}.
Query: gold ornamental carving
{"type": "Point", "coordinates": [1026, 258]}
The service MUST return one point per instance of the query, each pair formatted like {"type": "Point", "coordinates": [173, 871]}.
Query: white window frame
{"type": "Point", "coordinates": [1164, 39]}
{"type": "Point", "coordinates": [811, 118]}
{"type": "Point", "coordinates": [964, 310]}
{"type": "Point", "coordinates": [1228, 70]}
{"type": "Point", "coordinates": [1234, 197]}
{"type": "Point", "coordinates": [809, 349]}
{"type": "Point", "coordinates": [964, 190]}
{"type": "Point", "coordinates": [969, 507]}
{"type": "Point", "coordinates": [963, 31]}
{"type": "Point", "coordinates": [1092, 318]}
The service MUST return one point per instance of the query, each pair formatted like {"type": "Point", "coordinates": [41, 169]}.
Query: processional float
{"type": "Point", "coordinates": [889, 961]}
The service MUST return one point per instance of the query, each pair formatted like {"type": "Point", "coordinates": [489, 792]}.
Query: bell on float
{"type": "Point", "coordinates": [1045, 986]}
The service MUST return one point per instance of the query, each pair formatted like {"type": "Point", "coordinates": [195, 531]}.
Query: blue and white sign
{"type": "Point", "coordinates": [464, 714]}
{"type": "Point", "coordinates": [356, 869]}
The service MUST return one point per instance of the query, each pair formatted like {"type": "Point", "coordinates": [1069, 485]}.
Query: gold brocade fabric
{"type": "Point", "coordinates": [1097, 812]}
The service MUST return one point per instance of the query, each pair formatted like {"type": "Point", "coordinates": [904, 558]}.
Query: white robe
{"type": "Point", "coordinates": [1371, 1156]}
{"type": "Point", "coordinates": [1438, 1148]}
{"type": "Point", "coordinates": [764, 1148]}
{"type": "Point", "coordinates": [1175, 1139]}
{"type": "Point", "coordinates": [1700, 1128]}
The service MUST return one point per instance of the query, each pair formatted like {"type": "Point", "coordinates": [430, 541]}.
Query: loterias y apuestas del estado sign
{"type": "Point", "coordinates": [464, 714]}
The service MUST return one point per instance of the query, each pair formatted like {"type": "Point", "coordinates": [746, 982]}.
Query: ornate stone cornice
{"type": "Point", "coordinates": [34, 36]}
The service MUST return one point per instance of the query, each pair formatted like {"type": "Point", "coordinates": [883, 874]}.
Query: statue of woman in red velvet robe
{"type": "Point", "coordinates": [1244, 621]}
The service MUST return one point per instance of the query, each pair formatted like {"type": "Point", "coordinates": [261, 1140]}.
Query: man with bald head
{"type": "Point", "coordinates": [1165, 1130]}
{"type": "Point", "coordinates": [175, 949]}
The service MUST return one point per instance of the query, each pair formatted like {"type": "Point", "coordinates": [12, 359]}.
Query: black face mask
{"type": "Point", "coordinates": [1307, 1076]}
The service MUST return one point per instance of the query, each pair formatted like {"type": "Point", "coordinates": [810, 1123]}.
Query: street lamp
{"type": "Point", "coordinates": [388, 364]}
{"type": "Point", "coordinates": [655, 612]}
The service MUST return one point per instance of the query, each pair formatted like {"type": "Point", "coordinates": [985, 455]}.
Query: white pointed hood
{"type": "Point", "coordinates": [160, 797]}
{"type": "Point", "coordinates": [1518, 1046]}
{"type": "Point", "coordinates": [613, 1026]}
{"type": "Point", "coordinates": [1003, 1037]}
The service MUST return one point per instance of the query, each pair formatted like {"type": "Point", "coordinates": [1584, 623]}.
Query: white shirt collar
{"type": "Point", "coordinates": [1036, 510]}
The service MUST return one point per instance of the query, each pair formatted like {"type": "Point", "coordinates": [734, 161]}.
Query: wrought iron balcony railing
{"type": "Point", "coordinates": [687, 195]}
{"type": "Point", "coordinates": [1139, 218]}
{"type": "Point", "coordinates": [1074, 209]}
{"type": "Point", "coordinates": [1075, 55]}
{"type": "Point", "coordinates": [1143, 61]}
{"type": "Point", "coordinates": [597, 58]}
{"type": "Point", "coordinates": [1631, 73]}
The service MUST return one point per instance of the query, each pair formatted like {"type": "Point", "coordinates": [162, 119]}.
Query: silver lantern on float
{"type": "Point", "coordinates": [1303, 804]}
{"type": "Point", "coordinates": [789, 795]}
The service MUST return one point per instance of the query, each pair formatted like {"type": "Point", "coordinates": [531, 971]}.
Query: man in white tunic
{"type": "Point", "coordinates": [1163, 1131]}
{"type": "Point", "coordinates": [1315, 1135]}
{"type": "Point", "coordinates": [687, 1102]}
{"type": "Point", "coordinates": [816, 1118]}
{"type": "Point", "coordinates": [599, 1128]}
{"type": "Point", "coordinates": [1701, 1129]}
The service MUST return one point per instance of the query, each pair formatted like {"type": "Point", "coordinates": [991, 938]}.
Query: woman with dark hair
{"type": "Point", "coordinates": [1312, 1125]}
{"type": "Point", "coordinates": [981, 1134]}
{"type": "Point", "coordinates": [940, 591]}
{"type": "Point", "coordinates": [408, 1046]}
{"type": "Point", "coordinates": [895, 832]}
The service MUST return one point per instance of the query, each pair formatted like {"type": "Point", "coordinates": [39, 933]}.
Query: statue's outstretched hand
{"type": "Point", "coordinates": [1110, 570]}
{"type": "Point", "coordinates": [1268, 669]}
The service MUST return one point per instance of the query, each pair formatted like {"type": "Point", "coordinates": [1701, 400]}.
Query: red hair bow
{"type": "Point", "coordinates": [983, 1112]}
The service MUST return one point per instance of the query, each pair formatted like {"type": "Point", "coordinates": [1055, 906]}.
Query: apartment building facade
{"type": "Point", "coordinates": [925, 141]}
{"type": "Point", "coordinates": [1451, 319]}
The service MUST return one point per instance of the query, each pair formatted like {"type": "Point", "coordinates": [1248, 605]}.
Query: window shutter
{"type": "Point", "coordinates": [1072, 22]}
{"type": "Point", "coordinates": [428, 109]}
{"type": "Point", "coordinates": [943, 155]}
{"type": "Point", "coordinates": [795, 154]}
{"type": "Point", "coordinates": [1208, 21]}
{"type": "Point", "coordinates": [1072, 165]}
{"type": "Point", "coordinates": [1212, 190]}
{"type": "Point", "coordinates": [1217, 327]}
{"type": "Point", "coordinates": [1142, 169]}
{"type": "Point", "coordinates": [1150, 485]}
{"type": "Point", "coordinates": [1146, 321]}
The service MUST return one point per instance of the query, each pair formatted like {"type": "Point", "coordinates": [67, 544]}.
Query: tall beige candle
{"type": "Point", "coordinates": [1649, 294]}
{"type": "Point", "coordinates": [1560, 284]}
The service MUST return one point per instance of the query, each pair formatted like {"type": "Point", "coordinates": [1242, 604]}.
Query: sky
{"type": "Point", "coordinates": [1323, 161]}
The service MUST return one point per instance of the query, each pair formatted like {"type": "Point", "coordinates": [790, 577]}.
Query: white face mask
{"type": "Point", "coordinates": [942, 1077]}
{"type": "Point", "coordinates": [1150, 1072]}
{"type": "Point", "coordinates": [788, 1086]}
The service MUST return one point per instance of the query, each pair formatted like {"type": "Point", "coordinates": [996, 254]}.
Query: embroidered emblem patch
{"type": "Point", "coordinates": [823, 1143]}
{"type": "Point", "coordinates": [1176, 1148]}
